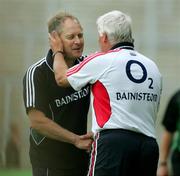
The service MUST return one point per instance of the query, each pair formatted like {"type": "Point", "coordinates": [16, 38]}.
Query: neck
{"type": "Point", "coordinates": [69, 62]}
{"type": "Point", "coordinates": [123, 45]}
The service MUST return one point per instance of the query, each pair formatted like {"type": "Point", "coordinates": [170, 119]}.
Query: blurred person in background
{"type": "Point", "coordinates": [58, 116]}
{"type": "Point", "coordinates": [126, 88]}
{"type": "Point", "coordinates": [170, 141]}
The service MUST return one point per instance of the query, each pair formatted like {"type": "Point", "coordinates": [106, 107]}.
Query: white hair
{"type": "Point", "coordinates": [116, 25]}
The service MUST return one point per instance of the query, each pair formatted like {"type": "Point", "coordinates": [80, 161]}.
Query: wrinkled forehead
{"type": "Point", "coordinates": [71, 26]}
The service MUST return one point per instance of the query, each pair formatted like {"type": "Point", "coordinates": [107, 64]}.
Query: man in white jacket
{"type": "Point", "coordinates": [125, 89]}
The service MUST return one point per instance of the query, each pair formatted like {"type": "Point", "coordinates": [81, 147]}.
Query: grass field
{"type": "Point", "coordinates": [15, 173]}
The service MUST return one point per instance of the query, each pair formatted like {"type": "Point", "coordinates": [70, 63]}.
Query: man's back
{"type": "Point", "coordinates": [130, 86]}
{"type": "Point", "coordinates": [133, 83]}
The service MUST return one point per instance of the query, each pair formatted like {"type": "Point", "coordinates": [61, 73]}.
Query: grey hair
{"type": "Point", "coordinates": [55, 22]}
{"type": "Point", "coordinates": [116, 25]}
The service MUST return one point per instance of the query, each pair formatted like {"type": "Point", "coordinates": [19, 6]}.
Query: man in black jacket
{"type": "Point", "coordinates": [58, 116]}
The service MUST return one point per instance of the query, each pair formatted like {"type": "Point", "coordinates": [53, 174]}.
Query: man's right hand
{"type": "Point", "coordinates": [84, 141]}
{"type": "Point", "coordinates": [55, 42]}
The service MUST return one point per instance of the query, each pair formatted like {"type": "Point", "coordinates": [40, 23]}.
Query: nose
{"type": "Point", "coordinates": [77, 40]}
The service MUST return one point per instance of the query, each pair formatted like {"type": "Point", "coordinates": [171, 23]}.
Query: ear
{"type": "Point", "coordinates": [104, 38]}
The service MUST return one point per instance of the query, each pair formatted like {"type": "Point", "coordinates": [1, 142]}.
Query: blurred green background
{"type": "Point", "coordinates": [15, 172]}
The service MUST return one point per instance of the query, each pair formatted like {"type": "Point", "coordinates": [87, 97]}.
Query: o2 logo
{"type": "Point", "coordinates": [143, 78]}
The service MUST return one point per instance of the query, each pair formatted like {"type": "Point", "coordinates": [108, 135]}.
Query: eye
{"type": "Point", "coordinates": [80, 35]}
{"type": "Point", "coordinates": [70, 37]}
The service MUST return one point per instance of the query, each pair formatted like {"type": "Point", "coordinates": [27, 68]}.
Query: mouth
{"type": "Point", "coordinates": [77, 49]}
